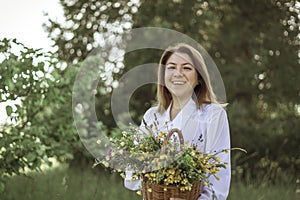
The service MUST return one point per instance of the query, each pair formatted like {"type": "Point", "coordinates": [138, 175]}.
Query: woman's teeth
{"type": "Point", "coordinates": [178, 82]}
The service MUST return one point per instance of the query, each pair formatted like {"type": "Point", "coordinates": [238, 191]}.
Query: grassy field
{"type": "Point", "coordinates": [93, 184]}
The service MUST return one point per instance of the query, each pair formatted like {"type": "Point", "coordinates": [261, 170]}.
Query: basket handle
{"type": "Point", "coordinates": [167, 138]}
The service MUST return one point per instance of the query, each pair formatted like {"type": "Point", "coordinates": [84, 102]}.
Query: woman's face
{"type": "Point", "coordinates": [180, 75]}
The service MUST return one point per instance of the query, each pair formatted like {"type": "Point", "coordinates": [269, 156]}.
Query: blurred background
{"type": "Point", "coordinates": [255, 45]}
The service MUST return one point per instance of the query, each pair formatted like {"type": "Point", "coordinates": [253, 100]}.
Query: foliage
{"type": "Point", "coordinates": [162, 158]}
{"type": "Point", "coordinates": [40, 126]}
{"type": "Point", "coordinates": [91, 26]}
{"type": "Point", "coordinates": [23, 74]}
{"type": "Point", "coordinates": [257, 53]}
{"type": "Point", "coordinates": [87, 23]}
{"type": "Point", "coordinates": [254, 43]}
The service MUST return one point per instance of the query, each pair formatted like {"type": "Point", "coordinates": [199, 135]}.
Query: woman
{"type": "Point", "coordinates": [186, 100]}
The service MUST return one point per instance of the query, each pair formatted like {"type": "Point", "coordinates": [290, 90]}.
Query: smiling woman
{"type": "Point", "coordinates": [187, 102]}
{"type": "Point", "coordinates": [191, 64]}
{"type": "Point", "coordinates": [180, 78]}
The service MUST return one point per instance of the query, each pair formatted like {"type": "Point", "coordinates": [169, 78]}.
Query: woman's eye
{"type": "Point", "coordinates": [187, 68]}
{"type": "Point", "coordinates": [171, 67]}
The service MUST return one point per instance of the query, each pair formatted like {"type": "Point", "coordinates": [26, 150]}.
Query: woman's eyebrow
{"type": "Point", "coordinates": [172, 63]}
{"type": "Point", "coordinates": [188, 64]}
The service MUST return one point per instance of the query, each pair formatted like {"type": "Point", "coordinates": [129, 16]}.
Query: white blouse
{"type": "Point", "coordinates": [209, 123]}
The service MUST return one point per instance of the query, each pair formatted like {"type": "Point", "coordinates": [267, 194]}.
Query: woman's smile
{"type": "Point", "coordinates": [179, 82]}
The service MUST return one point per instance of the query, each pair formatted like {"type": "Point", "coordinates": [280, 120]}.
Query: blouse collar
{"type": "Point", "coordinates": [181, 118]}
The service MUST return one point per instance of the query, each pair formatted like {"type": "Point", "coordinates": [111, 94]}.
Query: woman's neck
{"type": "Point", "coordinates": [177, 105]}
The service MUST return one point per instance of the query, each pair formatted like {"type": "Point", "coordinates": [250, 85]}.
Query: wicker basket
{"type": "Point", "coordinates": [153, 191]}
{"type": "Point", "coordinates": [165, 192]}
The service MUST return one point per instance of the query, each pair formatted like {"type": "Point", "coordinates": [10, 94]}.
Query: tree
{"type": "Point", "coordinates": [88, 23]}
{"type": "Point", "coordinates": [255, 45]}
{"type": "Point", "coordinates": [91, 25]}
{"type": "Point", "coordinates": [41, 121]}
{"type": "Point", "coordinates": [31, 79]}
{"type": "Point", "coordinates": [257, 54]}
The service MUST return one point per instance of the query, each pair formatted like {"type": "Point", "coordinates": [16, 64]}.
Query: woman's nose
{"type": "Point", "coordinates": [178, 72]}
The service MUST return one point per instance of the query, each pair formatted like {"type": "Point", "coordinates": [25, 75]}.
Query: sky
{"type": "Point", "coordinates": [23, 19]}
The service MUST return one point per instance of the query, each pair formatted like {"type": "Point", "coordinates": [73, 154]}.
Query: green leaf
{"type": "Point", "coordinates": [2, 187]}
{"type": "Point", "coordinates": [10, 85]}
{"type": "Point", "coordinates": [31, 157]}
{"type": "Point", "coordinates": [9, 110]}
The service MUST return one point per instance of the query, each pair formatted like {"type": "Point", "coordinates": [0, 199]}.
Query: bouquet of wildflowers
{"type": "Point", "coordinates": [161, 158]}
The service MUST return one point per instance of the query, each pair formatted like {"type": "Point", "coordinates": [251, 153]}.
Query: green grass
{"type": "Point", "coordinates": [66, 184]}
{"type": "Point", "coordinates": [94, 184]}
{"type": "Point", "coordinates": [262, 191]}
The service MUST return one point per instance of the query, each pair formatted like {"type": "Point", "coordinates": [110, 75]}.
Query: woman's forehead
{"type": "Point", "coordinates": [181, 58]}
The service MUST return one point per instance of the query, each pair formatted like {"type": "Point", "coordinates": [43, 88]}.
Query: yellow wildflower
{"type": "Point", "coordinates": [124, 134]}
{"type": "Point", "coordinates": [140, 158]}
{"type": "Point", "coordinates": [106, 164]}
{"type": "Point", "coordinates": [171, 171]}
{"type": "Point", "coordinates": [161, 135]}
{"type": "Point", "coordinates": [193, 153]}
{"type": "Point", "coordinates": [184, 181]}
{"type": "Point", "coordinates": [213, 170]}
{"type": "Point", "coordinates": [135, 176]}
{"type": "Point", "coordinates": [122, 175]}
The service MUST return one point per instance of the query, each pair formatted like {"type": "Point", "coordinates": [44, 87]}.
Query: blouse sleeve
{"type": "Point", "coordinates": [218, 138]}
{"type": "Point", "coordinates": [130, 183]}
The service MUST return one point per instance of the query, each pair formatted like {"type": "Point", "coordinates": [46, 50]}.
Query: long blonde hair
{"type": "Point", "coordinates": [203, 91]}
